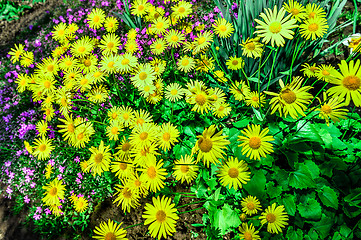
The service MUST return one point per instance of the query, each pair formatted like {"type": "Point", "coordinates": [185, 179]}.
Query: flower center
{"type": "Point", "coordinates": [313, 69]}
{"type": "Point", "coordinates": [126, 116]}
{"type": "Point", "coordinates": [98, 158]}
{"type": "Point", "coordinates": [126, 146]}
{"type": "Point", "coordinates": [205, 144]}
{"type": "Point", "coordinates": [137, 183]}
{"type": "Point", "coordinates": [142, 76]}
{"type": "Point", "coordinates": [68, 63]}
{"type": "Point", "coordinates": [127, 193]}
{"type": "Point", "coordinates": [174, 38]}
{"type": "Point", "coordinates": [125, 61]}
{"type": "Point", "coordinates": [254, 142]}
{"type": "Point", "coordinates": [159, 25]}
{"type": "Point", "coordinates": [158, 46]}
{"type": "Point", "coordinates": [151, 172]}
{"type": "Point", "coordinates": [255, 98]}
{"type": "Point", "coordinates": [114, 115]}
{"type": "Point", "coordinates": [161, 216]}
{"type": "Point", "coordinates": [201, 40]}
{"type": "Point", "coordinates": [97, 74]}
{"type": "Point", "coordinates": [233, 172]}
{"type": "Point", "coordinates": [220, 109]}
{"type": "Point", "coordinates": [50, 68]}
{"type": "Point", "coordinates": [222, 28]}
{"type": "Point", "coordinates": [200, 99]}
{"type": "Point", "coordinates": [53, 191]}
{"type": "Point", "coordinates": [250, 46]}
{"type": "Point", "coordinates": [275, 27]}
{"type": "Point", "coordinates": [110, 236]}
{"type": "Point", "coordinates": [114, 130]}
{"type": "Point", "coordinates": [181, 10]}
{"type": "Point", "coordinates": [295, 11]}
{"type": "Point", "coordinates": [81, 49]}
{"type": "Point", "coordinates": [313, 27]}
{"type": "Point", "coordinates": [325, 72]}
{"type": "Point", "coordinates": [184, 168]}
{"type": "Point", "coordinates": [250, 206]}
{"type": "Point", "coordinates": [71, 128]}
{"type": "Point", "coordinates": [110, 45]}
{"type": "Point", "coordinates": [83, 81]}
{"type": "Point", "coordinates": [185, 62]}
{"type": "Point", "coordinates": [111, 64]}
{"type": "Point", "coordinates": [247, 236]}
{"type": "Point", "coordinates": [80, 136]}
{"type": "Point", "coordinates": [140, 121]}
{"type": "Point", "coordinates": [312, 15]}
{"type": "Point", "coordinates": [140, 8]}
{"type": "Point", "coordinates": [174, 92]}
{"type": "Point", "coordinates": [271, 218]}
{"type": "Point", "coordinates": [351, 82]}
{"type": "Point", "coordinates": [166, 136]}
{"type": "Point", "coordinates": [288, 96]}
{"type": "Point", "coordinates": [47, 84]}
{"type": "Point", "coordinates": [235, 62]}
{"type": "Point", "coordinates": [87, 63]}
{"type": "Point", "coordinates": [123, 166]}
{"type": "Point", "coordinates": [326, 109]}
{"type": "Point", "coordinates": [96, 19]}
{"type": "Point", "coordinates": [42, 147]}
{"type": "Point", "coordinates": [143, 136]}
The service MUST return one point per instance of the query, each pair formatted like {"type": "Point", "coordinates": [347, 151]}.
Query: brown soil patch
{"type": "Point", "coordinates": [8, 30]}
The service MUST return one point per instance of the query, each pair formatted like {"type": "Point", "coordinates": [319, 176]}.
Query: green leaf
{"type": "Point", "coordinates": [328, 197]}
{"type": "Point", "coordinates": [301, 178]}
{"type": "Point", "coordinates": [256, 186]}
{"type": "Point", "coordinates": [323, 226]}
{"type": "Point", "coordinates": [314, 170]}
{"type": "Point", "coordinates": [311, 209]}
{"type": "Point", "coordinates": [188, 131]}
{"type": "Point", "coordinates": [226, 218]}
{"type": "Point", "coordinates": [273, 191]}
{"type": "Point", "coordinates": [242, 123]}
{"type": "Point", "coordinates": [289, 201]}
{"type": "Point", "coordinates": [294, 235]}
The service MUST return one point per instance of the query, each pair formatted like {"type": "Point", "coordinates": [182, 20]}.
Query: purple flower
{"type": "Point", "coordinates": [37, 217]}
{"type": "Point", "coordinates": [9, 191]}
{"type": "Point", "coordinates": [47, 211]}
{"type": "Point", "coordinates": [26, 199]}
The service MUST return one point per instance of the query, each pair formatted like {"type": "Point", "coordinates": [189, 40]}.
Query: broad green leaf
{"type": "Point", "coordinates": [328, 197]}
{"type": "Point", "coordinates": [273, 191]}
{"type": "Point", "coordinates": [314, 170]}
{"type": "Point", "coordinates": [301, 178]}
{"type": "Point", "coordinates": [289, 201]}
{"type": "Point", "coordinates": [294, 235]}
{"type": "Point", "coordinates": [311, 209]}
{"type": "Point", "coordinates": [226, 218]}
{"type": "Point", "coordinates": [187, 130]}
{"type": "Point", "coordinates": [323, 226]}
{"type": "Point", "coordinates": [242, 123]}
{"type": "Point", "coordinates": [256, 186]}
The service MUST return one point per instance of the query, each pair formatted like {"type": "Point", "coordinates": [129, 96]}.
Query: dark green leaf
{"type": "Point", "coordinates": [311, 209]}
{"type": "Point", "coordinates": [294, 235]}
{"type": "Point", "coordinates": [328, 197]}
{"type": "Point", "coordinates": [256, 186]}
{"type": "Point", "coordinates": [289, 201]}
{"type": "Point", "coordinates": [323, 226]}
{"type": "Point", "coordinates": [226, 218]}
{"type": "Point", "coordinates": [301, 178]}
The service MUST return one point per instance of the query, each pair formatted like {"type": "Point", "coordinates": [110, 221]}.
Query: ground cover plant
{"type": "Point", "coordinates": [228, 100]}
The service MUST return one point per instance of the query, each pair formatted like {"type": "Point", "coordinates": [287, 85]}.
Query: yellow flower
{"type": "Point", "coordinates": [153, 174]}
{"type": "Point", "coordinates": [248, 232]}
{"type": "Point", "coordinates": [174, 38]}
{"type": "Point", "coordinates": [204, 64]}
{"type": "Point", "coordinates": [235, 63]}
{"type": "Point", "coordinates": [186, 64]}
{"type": "Point", "coordinates": [174, 92]}
{"type": "Point", "coordinates": [42, 128]}
{"type": "Point", "coordinates": [27, 59]}
{"type": "Point", "coordinates": [109, 43]}
{"type": "Point", "coordinates": [233, 173]}
{"type": "Point", "coordinates": [202, 41]}
{"type": "Point", "coordinates": [325, 72]}
{"type": "Point", "coordinates": [255, 143]}
{"type": "Point", "coordinates": [113, 130]}
{"type": "Point", "coordinates": [127, 197]}
{"type": "Point", "coordinates": [209, 146]}
{"type": "Point", "coordinates": [275, 217]}
{"type": "Point", "coordinates": [313, 10]}
{"type": "Point", "coordinates": [332, 109]}
{"type": "Point", "coordinates": [255, 99]}
{"type": "Point", "coordinates": [221, 109]}
{"type": "Point", "coordinates": [252, 48]}
{"type": "Point", "coordinates": [275, 28]}
{"type": "Point", "coordinates": [296, 9]}
{"type": "Point", "coordinates": [111, 24]}
{"type": "Point", "coordinates": [250, 205]}
{"type": "Point", "coordinates": [160, 25]}
{"type": "Point", "coordinates": [109, 64]}
{"type": "Point", "coordinates": [16, 52]}
{"type": "Point", "coordinates": [143, 135]}
{"type": "Point", "coordinates": [161, 216]}
{"type": "Point", "coordinates": [48, 170]}
{"type": "Point", "coordinates": [185, 169]}
{"type": "Point", "coordinates": [80, 204]}
{"type": "Point", "coordinates": [309, 70]}
{"type": "Point", "coordinates": [240, 90]}
{"type": "Point", "coordinates": [100, 159]}
{"type": "Point", "coordinates": [314, 28]}
{"type": "Point", "coordinates": [139, 7]}
{"type": "Point", "coordinates": [43, 148]}
{"type": "Point", "coordinates": [223, 28]}
{"type": "Point", "coordinates": [167, 136]}
{"type": "Point", "coordinates": [291, 99]}
{"type": "Point", "coordinates": [82, 47]}
{"type": "Point", "coordinates": [348, 82]}
{"type": "Point", "coordinates": [158, 46]}
{"type": "Point", "coordinates": [54, 192]}
{"type": "Point", "coordinates": [96, 18]}
{"type": "Point", "coordinates": [123, 167]}
{"type": "Point", "coordinates": [182, 9]}
{"type": "Point", "coordinates": [126, 63]}
{"type": "Point", "coordinates": [110, 230]}
{"type": "Point", "coordinates": [144, 76]}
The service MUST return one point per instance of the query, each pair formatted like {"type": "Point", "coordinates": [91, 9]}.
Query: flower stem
{"type": "Point", "coordinates": [191, 210]}
{"type": "Point", "coordinates": [191, 203]}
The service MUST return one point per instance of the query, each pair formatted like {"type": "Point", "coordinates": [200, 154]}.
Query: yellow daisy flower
{"type": "Point", "coordinates": [255, 144]}
{"type": "Point", "coordinates": [158, 46]}
{"type": "Point", "coordinates": [109, 43]}
{"type": "Point", "coordinates": [204, 63]}
{"type": "Point", "coordinates": [182, 9]}
{"type": "Point", "coordinates": [160, 25]}
{"type": "Point", "coordinates": [43, 148]}
{"type": "Point", "coordinates": [174, 92]}
{"type": "Point", "coordinates": [110, 230]}
{"type": "Point", "coordinates": [99, 161]}
{"type": "Point", "coordinates": [332, 110]}
{"type": "Point", "coordinates": [82, 47]}
{"type": "Point", "coordinates": [325, 72]}
{"type": "Point", "coordinates": [126, 197]}
{"type": "Point", "coordinates": [313, 10]}
{"type": "Point", "coordinates": [309, 70]}
{"type": "Point", "coordinates": [248, 232]}
{"type": "Point", "coordinates": [139, 7]}
{"type": "Point", "coordinates": [252, 48]}
{"type": "Point", "coordinates": [96, 18]}
{"type": "Point", "coordinates": [113, 130]}
{"type": "Point", "coordinates": [174, 38]}
{"type": "Point", "coordinates": [153, 174]}
{"type": "Point", "coordinates": [296, 9]}
{"type": "Point", "coordinates": [255, 99]}
{"type": "Point", "coordinates": [124, 149]}
{"type": "Point", "coordinates": [144, 76]}
{"type": "Point", "coordinates": [42, 128]}
{"type": "Point", "coordinates": [54, 192]}
{"type": "Point", "coordinates": [221, 109]}
{"type": "Point", "coordinates": [223, 28]}
{"type": "Point", "coordinates": [314, 28]}
{"type": "Point", "coordinates": [167, 136]}
{"type": "Point", "coordinates": [16, 52]}
{"type": "Point", "coordinates": [161, 216]}
{"type": "Point", "coordinates": [233, 173]}
{"type": "Point", "coordinates": [109, 64]}
{"type": "Point", "coordinates": [275, 217]}
{"type": "Point", "coordinates": [240, 90]}
{"type": "Point", "coordinates": [122, 167]}
{"type": "Point", "coordinates": [126, 63]}
{"type": "Point", "coordinates": [185, 169]}
{"type": "Point", "coordinates": [275, 28]}
{"type": "Point", "coordinates": [209, 146]}
{"type": "Point", "coordinates": [111, 24]}
{"type": "Point", "coordinates": [250, 205]}
{"type": "Point", "coordinates": [185, 64]}
{"type": "Point", "coordinates": [80, 204]}
{"type": "Point", "coordinates": [235, 63]}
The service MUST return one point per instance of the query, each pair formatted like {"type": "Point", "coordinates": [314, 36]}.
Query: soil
{"type": "Point", "coordinates": [9, 30]}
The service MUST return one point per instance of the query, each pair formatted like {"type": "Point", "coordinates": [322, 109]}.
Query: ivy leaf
{"type": "Point", "coordinates": [256, 186]}
{"type": "Point", "coordinates": [289, 201]}
{"type": "Point", "coordinates": [311, 209]}
{"type": "Point", "coordinates": [226, 218]}
{"type": "Point", "coordinates": [328, 197]}
{"type": "Point", "coordinates": [301, 178]}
